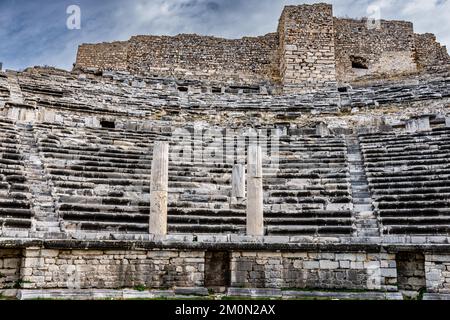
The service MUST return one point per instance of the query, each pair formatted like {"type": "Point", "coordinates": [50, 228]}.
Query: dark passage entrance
{"type": "Point", "coordinates": [359, 62]}
{"type": "Point", "coordinates": [107, 124]}
{"type": "Point", "coordinates": [217, 270]}
{"type": "Point", "coordinates": [410, 271]}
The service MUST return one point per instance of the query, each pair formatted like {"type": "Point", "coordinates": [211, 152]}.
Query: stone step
{"type": "Point", "coordinates": [362, 201]}
{"type": "Point", "coordinates": [359, 193]}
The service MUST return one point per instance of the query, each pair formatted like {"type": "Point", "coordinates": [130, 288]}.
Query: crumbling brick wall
{"type": "Point", "coordinates": [388, 49]}
{"type": "Point", "coordinates": [429, 52]}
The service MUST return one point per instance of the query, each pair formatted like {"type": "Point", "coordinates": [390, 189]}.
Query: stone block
{"type": "Point", "coordinates": [388, 272]}
{"type": "Point", "coordinates": [327, 264]}
{"type": "Point", "coordinates": [311, 265]}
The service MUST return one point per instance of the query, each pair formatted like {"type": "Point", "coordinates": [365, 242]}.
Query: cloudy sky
{"type": "Point", "coordinates": [35, 32]}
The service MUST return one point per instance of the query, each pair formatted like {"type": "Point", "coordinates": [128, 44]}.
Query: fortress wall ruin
{"type": "Point", "coordinates": [310, 51]}
{"type": "Point", "coordinates": [246, 60]}
{"type": "Point", "coordinates": [104, 56]}
{"type": "Point", "coordinates": [362, 50]}
{"type": "Point", "coordinates": [429, 52]}
{"type": "Point", "coordinates": [307, 48]}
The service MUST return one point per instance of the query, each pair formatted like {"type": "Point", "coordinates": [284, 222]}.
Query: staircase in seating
{"type": "Point", "coordinates": [365, 220]}
{"type": "Point", "coordinates": [15, 209]}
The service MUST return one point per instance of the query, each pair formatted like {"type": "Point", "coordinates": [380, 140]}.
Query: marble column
{"type": "Point", "coordinates": [238, 181]}
{"type": "Point", "coordinates": [255, 223]}
{"type": "Point", "coordinates": [159, 187]}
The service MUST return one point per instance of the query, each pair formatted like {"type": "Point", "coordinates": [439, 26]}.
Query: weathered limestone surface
{"type": "Point", "coordinates": [79, 269]}
{"type": "Point", "coordinates": [429, 52]}
{"type": "Point", "coordinates": [314, 270]}
{"type": "Point", "coordinates": [105, 56]}
{"type": "Point", "coordinates": [388, 49]}
{"type": "Point", "coordinates": [10, 261]}
{"type": "Point", "coordinates": [238, 180]}
{"type": "Point", "coordinates": [159, 188]}
{"type": "Point", "coordinates": [411, 271]}
{"type": "Point", "coordinates": [307, 49]}
{"type": "Point", "coordinates": [437, 273]}
{"type": "Point", "coordinates": [255, 219]}
{"type": "Point", "coordinates": [408, 179]}
{"type": "Point", "coordinates": [189, 56]}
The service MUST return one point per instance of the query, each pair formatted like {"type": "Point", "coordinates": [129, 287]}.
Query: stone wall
{"type": "Point", "coordinates": [309, 52]}
{"type": "Point", "coordinates": [79, 269]}
{"type": "Point", "coordinates": [163, 269]}
{"type": "Point", "coordinates": [103, 56]}
{"type": "Point", "coordinates": [385, 50]}
{"type": "Point", "coordinates": [188, 56]}
{"type": "Point", "coordinates": [246, 60]}
{"type": "Point", "coordinates": [437, 273]}
{"type": "Point", "coordinates": [307, 48]}
{"type": "Point", "coordinates": [411, 271]}
{"type": "Point", "coordinates": [10, 260]}
{"type": "Point", "coordinates": [38, 268]}
{"type": "Point", "coordinates": [314, 270]}
{"type": "Point", "coordinates": [429, 52]}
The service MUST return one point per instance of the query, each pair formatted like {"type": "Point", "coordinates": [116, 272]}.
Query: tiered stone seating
{"type": "Point", "coordinates": [310, 192]}
{"type": "Point", "coordinates": [200, 191]}
{"type": "Point", "coordinates": [15, 209]}
{"type": "Point", "coordinates": [153, 96]}
{"type": "Point", "coordinates": [101, 177]}
{"type": "Point", "coordinates": [101, 182]}
{"type": "Point", "coordinates": [408, 176]}
{"type": "Point", "coordinates": [146, 96]}
{"type": "Point", "coordinates": [4, 88]}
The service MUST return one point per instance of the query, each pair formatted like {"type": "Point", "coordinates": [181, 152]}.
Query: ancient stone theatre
{"type": "Point", "coordinates": [311, 159]}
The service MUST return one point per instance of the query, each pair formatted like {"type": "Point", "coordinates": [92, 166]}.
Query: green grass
{"type": "Point", "coordinates": [140, 288]}
{"type": "Point", "coordinates": [19, 283]}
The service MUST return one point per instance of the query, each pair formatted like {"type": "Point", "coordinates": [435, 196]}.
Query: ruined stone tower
{"type": "Point", "coordinates": [307, 58]}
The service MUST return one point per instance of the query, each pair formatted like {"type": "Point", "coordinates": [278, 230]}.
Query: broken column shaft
{"type": "Point", "coordinates": [238, 181]}
{"type": "Point", "coordinates": [159, 188]}
{"type": "Point", "coordinates": [255, 223]}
